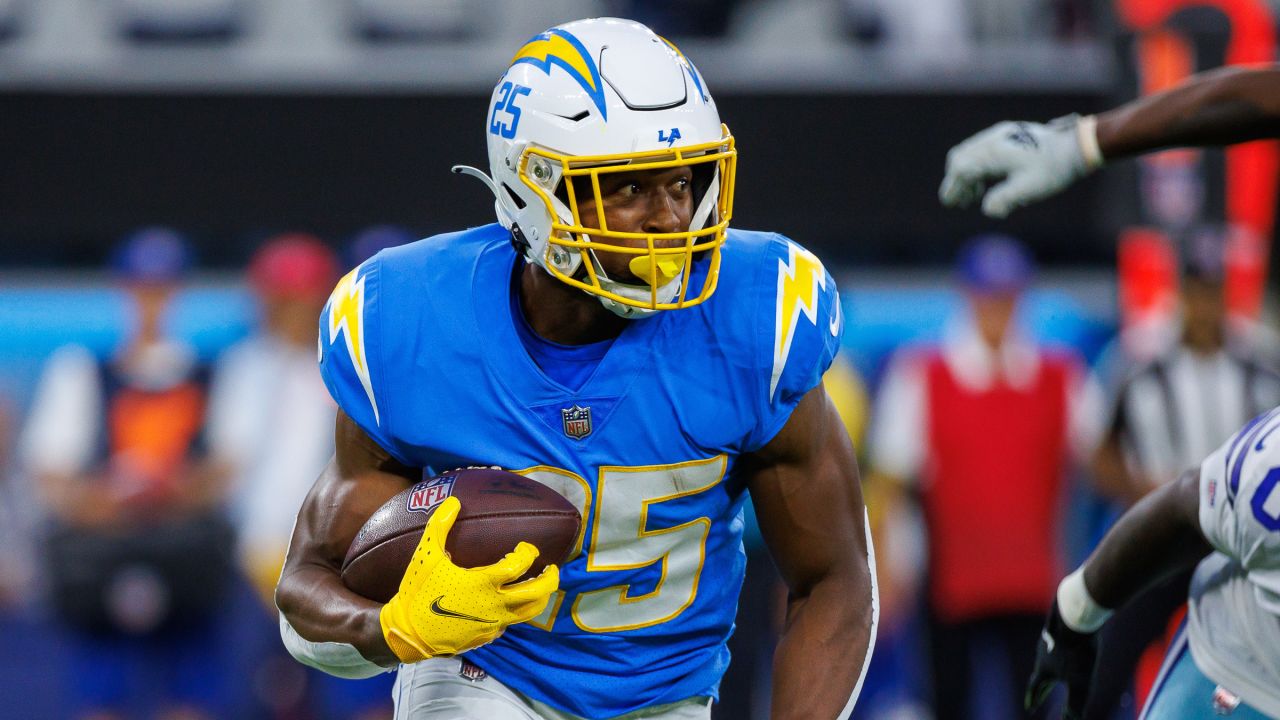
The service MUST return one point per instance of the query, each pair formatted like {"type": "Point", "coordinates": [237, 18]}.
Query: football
{"type": "Point", "coordinates": [499, 510]}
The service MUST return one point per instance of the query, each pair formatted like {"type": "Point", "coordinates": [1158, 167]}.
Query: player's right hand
{"type": "Point", "coordinates": [1028, 161]}
{"type": "Point", "coordinates": [443, 609]}
{"type": "Point", "coordinates": [1062, 656]}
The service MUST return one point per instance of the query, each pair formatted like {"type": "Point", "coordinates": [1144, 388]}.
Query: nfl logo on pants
{"type": "Point", "coordinates": [577, 421]}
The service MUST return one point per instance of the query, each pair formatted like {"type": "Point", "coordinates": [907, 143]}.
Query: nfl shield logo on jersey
{"type": "Point", "coordinates": [430, 493]}
{"type": "Point", "coordinates": [577, 421]}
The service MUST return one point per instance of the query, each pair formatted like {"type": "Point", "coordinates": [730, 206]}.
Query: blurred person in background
{"type": "Point", "coordinates": [985, 427]}
{"type": "Point", "coordinates": [1166, 415]}
{"type": "Point", "coordinates": [271, 421]}
{"type": "Point", "coordinates": [1174, 410]}
{"type": "Point", "coordinates": [259, 384]}
{"type": "Point", "coordinates": [138, 548]}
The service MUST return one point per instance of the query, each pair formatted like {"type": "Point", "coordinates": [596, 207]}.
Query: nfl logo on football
{"type": "Point", "coordinates": [577, 421]}
{"type": "Point", "coordinates": [427, 495]}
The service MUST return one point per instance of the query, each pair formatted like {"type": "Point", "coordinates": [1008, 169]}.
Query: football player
{"type": "Point", "coordinates": [1226, 659]}
{"type": "Point", "coordinates": [1030, 161]}
{"type": "Point", "coordinates": [611, 338]}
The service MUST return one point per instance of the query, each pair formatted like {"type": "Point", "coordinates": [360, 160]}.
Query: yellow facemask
{"type": "Point", "coordinates": [660, 260]}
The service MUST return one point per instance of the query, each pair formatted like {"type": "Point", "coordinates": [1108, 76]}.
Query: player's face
{"type": "Point", "coordinates": [646, 201]}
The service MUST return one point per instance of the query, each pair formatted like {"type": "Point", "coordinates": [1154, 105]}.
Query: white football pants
{"type": "Point", "coordinates": [436, 689]}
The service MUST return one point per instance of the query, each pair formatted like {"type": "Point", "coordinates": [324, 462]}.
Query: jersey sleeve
{"type": "Point", "coordinates": [799, 332]}
{"type": "Point", "coordinates": [1240, 499]}
{"type": "Point", "coordinates": [350, 344]}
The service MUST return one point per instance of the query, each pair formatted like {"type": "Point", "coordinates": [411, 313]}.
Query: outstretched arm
{"type": "Point", "coordinates": [1030, 161]}
{"type": "Point", "coordinates": [1221, 107]}
{"type": "Point", "coordinates": [805, 487]}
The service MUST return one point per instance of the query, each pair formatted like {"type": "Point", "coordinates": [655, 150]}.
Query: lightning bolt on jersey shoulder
{"type": "Point", "coordinates": [798, 325]}
{"type": "Point", "coordinates": [344, 317]}
{"type": "Point", "coordinates": [801, 279]}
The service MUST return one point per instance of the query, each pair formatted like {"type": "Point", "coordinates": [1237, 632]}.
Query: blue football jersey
{"type": "Point", "coordinates": [418, 345]}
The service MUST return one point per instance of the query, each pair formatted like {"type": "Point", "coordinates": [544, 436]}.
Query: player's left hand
{"type": "Point", "coordinates": [1066, 656]}
{"type": "Point", "coordinates": [443, 609]}
{"type": "Point", "coordinates": [1031, 161]}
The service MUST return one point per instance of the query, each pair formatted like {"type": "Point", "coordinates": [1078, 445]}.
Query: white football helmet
{"type": "Point", "coordinates": [599, 96]}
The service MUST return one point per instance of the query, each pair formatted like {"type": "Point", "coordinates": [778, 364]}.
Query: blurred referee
{"type": "Point", "coordinates": [1167, 415]}
{"type": "Point", "coordinates": [1172, 411]}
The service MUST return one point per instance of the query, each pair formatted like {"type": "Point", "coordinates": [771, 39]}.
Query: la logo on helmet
{"type": "Point", "coordinates": [669, 139]}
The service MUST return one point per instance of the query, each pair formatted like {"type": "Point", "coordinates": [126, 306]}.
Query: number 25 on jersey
{"type": "Point", "coordinates": [624, 538]}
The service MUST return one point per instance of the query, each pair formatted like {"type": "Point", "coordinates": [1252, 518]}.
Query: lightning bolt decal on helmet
{"type": "Point", "coordinates": [600, 96]}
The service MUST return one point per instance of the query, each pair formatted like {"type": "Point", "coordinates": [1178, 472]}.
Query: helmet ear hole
{"type": "Point", "coordinates": [519, 201]}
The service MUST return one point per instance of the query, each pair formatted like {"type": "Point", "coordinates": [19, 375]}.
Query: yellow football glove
{"type": "Point", "coordinates": [442, 609]}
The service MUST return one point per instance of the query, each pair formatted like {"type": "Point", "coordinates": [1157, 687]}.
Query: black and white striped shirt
{"type": "Point", "coordinates": [1171, 412]}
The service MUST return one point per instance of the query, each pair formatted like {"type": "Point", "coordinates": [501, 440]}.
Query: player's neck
{"type": "Point", "coordinates": [564, 314]}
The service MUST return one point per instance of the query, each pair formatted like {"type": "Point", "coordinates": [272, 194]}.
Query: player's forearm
{"type": "Point", "coordinates": [1218, 108]}
{"type": "Point", "coordinates": [824, 646]}
{"type": "Point", "coordinates": [341, 617]}
{"type": "Point", "coordinates": [1155, 538]}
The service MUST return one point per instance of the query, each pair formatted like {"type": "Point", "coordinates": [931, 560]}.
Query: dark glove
{"type": "Point", "coordinates": [1062, 655]}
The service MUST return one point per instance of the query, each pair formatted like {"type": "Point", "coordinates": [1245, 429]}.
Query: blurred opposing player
{"type": "Point", "coordinates": [1227, 659]}
{"type": "Point", "coordinates": [1031, 161]}
{"type": "Point", "coordinates": [613, 339]}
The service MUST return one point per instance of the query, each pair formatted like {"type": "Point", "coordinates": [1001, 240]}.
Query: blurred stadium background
{"type": "Point", "coordinates": [233, 122]}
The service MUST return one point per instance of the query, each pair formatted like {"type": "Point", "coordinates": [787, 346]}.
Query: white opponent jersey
{"type": "Point", "coordinates": [1234, 615]}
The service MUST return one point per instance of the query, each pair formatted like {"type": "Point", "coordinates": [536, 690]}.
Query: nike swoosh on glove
{"type": "Point", "coordinates": [443, 609]}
